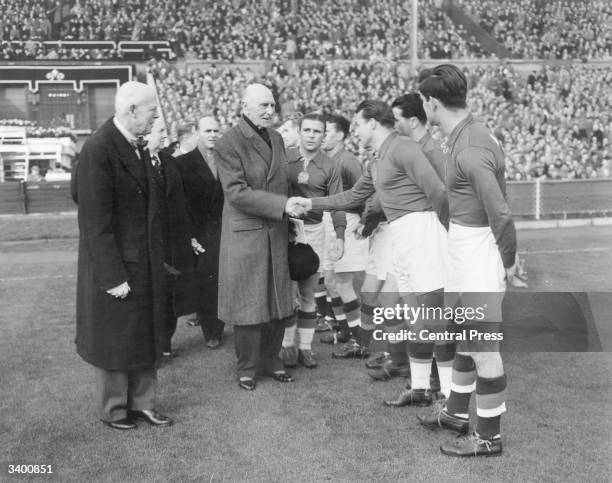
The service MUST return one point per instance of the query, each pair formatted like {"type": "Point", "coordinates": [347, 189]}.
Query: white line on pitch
{"type": "Point", "coordinates": [34, 277]}
{"type": "Point", "coordinates": [565, 250]}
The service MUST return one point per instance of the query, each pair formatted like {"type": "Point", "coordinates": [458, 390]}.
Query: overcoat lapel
{"type": "Point", "coordinates": [259, 145]}
{"type": "Point", "coordinates": [276, 152]}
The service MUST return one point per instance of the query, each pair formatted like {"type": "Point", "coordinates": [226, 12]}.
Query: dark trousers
{"type": "Point", "coordinates": [212, 327]}
{"type": "Point", "coordinates": [118, 391]}
{"type": "Point", "coordinates": [208, 272]}
{"type": "Point", "coordinates": [170, 317]}
{"type": "Point", "coordinates": [257, 348]}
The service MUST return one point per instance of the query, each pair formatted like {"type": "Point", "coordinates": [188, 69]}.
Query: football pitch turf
{"type": "Point", "coordinates": [330, 425]}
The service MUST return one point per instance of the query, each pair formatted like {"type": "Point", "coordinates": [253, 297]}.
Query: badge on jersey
{"type": "Point", "coordinates": [303, 177]}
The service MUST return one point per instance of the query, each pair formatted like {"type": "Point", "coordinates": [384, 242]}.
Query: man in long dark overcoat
{"type": "Point", "coordinates": [255, 292]}
{"type": "Point", "coordinates": [120, 284]}
{"type": "Point", "coordinates": [205, 206]}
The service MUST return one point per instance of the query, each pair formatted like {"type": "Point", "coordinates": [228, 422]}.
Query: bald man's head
{"type": "Point", "coordinates": [136, 107]}
{"type": "Point", "coordinates": [258, 105]}
{"type": "Point", "coordinates": [208, 133]}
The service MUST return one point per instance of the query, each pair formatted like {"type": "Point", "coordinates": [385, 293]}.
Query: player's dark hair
{"type": "Point", "coordinates": [446, 83]}
{"type": "Point", "coordinates": [378, 111]}
{"type": "Point", "coordinates": [411, 105]}
{"type": "Point", "coordinates": [314, 116]}
{"type": "Point", "coordinates": [341, 123]}
{"type": "Point", "coordinates": [424, 74]}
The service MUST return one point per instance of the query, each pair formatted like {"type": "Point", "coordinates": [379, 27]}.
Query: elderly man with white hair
{"type": "Point", "coordinates": [121, 277]}
{"type": "Point", "coordinates": [255, 291]}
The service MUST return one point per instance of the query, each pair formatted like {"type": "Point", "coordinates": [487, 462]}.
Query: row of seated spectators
{"type": "Point", "coordinates": [35, 130]}
{"type": "Point", "coordinates": [548, 29]}
{"type": "Point", "coordinates": [242, 29]}
{"type": "Point", "coordinates": [316, 29]}
{"type": "Point", "coordinates": [555, 124]}
{"type": "Point", "coordinates": [36, 50]}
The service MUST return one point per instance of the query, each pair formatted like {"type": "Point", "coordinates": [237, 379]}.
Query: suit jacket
{"type": "Point", "coordinates": [120, 239]}
{"type": "Point", "coordinates": [254, 282]}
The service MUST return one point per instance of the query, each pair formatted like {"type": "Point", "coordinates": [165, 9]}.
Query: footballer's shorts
{"type": "Point", "coordinates": [380, 255]}
{"type": "Point", "coordinates": [419, 251]}
{"type": "Point", "coordinates": [355, 256]}
{"type": "Point", "coordinates": [315, 237]}
{"type": "Point", "coordinates": [476, 273]}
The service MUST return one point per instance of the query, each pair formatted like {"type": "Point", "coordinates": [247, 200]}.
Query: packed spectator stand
{"type": "Point", "coordinates": [231, 30]}
{"type": "Point", "coordinates": [310, 29]}
{"type": "Point", "coordinates": [554, 124]}
{"type": "Point", "coordinates": [547, 29]}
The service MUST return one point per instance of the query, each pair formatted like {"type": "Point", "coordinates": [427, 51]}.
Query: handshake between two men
{"type": "Point", "coordinates": [297, 206]}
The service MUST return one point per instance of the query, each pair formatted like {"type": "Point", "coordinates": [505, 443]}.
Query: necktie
{"type": "Point", "coordinates": [155, 161]}
{"type": "Point", "coordinates": [140, 143]}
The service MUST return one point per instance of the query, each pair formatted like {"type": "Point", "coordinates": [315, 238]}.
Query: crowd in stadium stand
{"type": "Point", "coordinates": [239, 29]}
{"type": "Point", "coordinates": [315, 29]}
{"type": "Point", "coordinates": [31, 50]}
{"type": "Point", "coordinates": [548, 29]}
{"type": "Point", "coordinates": [554, 124]}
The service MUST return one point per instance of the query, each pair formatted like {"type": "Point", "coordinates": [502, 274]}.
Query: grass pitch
{"type": "Point", "coordinates": [330, 425]}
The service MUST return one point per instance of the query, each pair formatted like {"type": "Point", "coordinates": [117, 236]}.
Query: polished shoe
{"type": "Point", "coordinates": [247, 384]}
{"type": "Point", "coordinates": [125, 423]}
{"type": "Point", "coordinates": [305, 357]}
{"type": "Point", "coordinates": [411, 397]}
{"type": "Point", "coordinates": [351, 350]}
{"type": "Point", "coordinates": [376, 360]}
{"type": "Point", "coordinates": [473, 445]}
{"type": "Point", "coordinates": [214, 343]}
{"type": "Point", "coordinates": [336, 337]}
{"type": "Point", "coordinates": [389, 370]}
{"type": "Point", "coordinates": [289, 356]}
{"type": "Point", "coordinates": [282, 377]}
{"type": "Point", "coordinates": [438, 417]}
{"type": "Point", "coordinates": [151, 416]}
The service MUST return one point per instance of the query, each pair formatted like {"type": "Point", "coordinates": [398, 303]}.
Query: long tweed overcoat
{"type": "Point", "coordinates": [254, 282]}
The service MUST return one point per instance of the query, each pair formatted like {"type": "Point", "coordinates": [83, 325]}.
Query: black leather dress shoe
{"type": "Point", "coordinates": [247, 384]}
{"type": "Point", "coordinates": [151, 416]}
{"type": "Point", "coordinates": [282, 377]}
{"type": "Point", "coordinates": [125, 423]}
